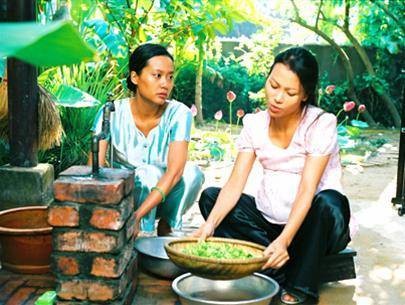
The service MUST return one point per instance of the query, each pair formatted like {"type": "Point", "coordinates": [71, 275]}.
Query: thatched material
{"type": "Point", "coordinates": [50, 125]}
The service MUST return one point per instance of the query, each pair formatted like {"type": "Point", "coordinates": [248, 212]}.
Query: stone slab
{"type": "Point", "coordinates": [25, 186]}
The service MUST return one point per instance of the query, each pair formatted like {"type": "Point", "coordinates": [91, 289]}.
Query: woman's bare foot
{"type": "Point", "coordinates": [163, 228]}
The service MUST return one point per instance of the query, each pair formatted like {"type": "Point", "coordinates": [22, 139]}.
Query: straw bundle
{"type": "Point", "coordinates": [50, 125]}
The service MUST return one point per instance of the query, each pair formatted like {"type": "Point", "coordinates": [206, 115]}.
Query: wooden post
{"type": "Point", "coordinates": [400, 193]}
{"type": "Point", "coordinates": [22, 96]}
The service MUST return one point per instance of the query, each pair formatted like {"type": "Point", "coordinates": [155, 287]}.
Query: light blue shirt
{"type": "Point", "coordinates": [131, 149]}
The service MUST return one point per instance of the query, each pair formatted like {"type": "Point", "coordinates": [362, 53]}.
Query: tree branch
{"type": "Point", "coordinates": [319, 13]}
{"type": "Point", "coordinates": [347, 15]}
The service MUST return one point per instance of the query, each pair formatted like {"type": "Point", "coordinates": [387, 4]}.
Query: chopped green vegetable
{"type": "Point", "coordinates": [217, 250]}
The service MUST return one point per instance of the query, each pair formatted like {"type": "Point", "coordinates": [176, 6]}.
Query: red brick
{"type": "Point", "coordinates": [97, 290]}
{"type": "Point", "coordinates": [102, 291]}
{"type": "Point", "coordinates": [85, 241]}
{"type": "Point", "coordinates": [68, 241]}
{"type": "Point", "coordinates": [63, 215]}
{"type": "Point", "coordinates": [111, 266]}
{"type": "Point", "coordinates": [66, 265]}
{"type": "Point", "coordinates": [110, 188]}
{"type": "Point", "coordinates": [101, 242]}
{"type": "Point", "coordinates": [93, 190]}
{"type": "Point", "coordinates": [73, 289]}
{"type": "Point", "coordinates": [106, 173]}
{"type": "Point", "coordinates": [9, 287]}
{"type": "Point", "coordinates": [112, 218]}
{"type": "Point", "coordinates": [20, 296]}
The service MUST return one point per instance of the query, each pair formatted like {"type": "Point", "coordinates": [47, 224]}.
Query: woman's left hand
{"type": "Point", "coordinates": [277, 253]}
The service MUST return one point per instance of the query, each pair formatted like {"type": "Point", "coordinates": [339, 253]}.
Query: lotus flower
{"type": "Point", "coordinates": [348, 106]}
{"type": "Point", "coordinates": [329, 89]}
{"type": "Point", "coordinates": [218, 115]}
{"type": "Point", "coordinates": [230, 96]}
{"type": "Point", "coordinates": [361, 108]}
{"type": "Point", "coordinates": [240, 113]}
{"type": "Point", "coordinates": [194, 110]}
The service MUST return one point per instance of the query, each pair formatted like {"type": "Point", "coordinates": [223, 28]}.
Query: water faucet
{"type": "Point", "coordinates": [103, 135]}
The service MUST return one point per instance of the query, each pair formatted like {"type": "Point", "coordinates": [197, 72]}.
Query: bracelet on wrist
{"type": "Point", "coordinates": [158, 189]}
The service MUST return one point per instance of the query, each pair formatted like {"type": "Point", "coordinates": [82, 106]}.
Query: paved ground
{"type": "Point", "coordinates": [380, 243]}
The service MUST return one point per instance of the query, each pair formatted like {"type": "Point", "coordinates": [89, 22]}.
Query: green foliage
{"type": "Point", "coordinates": [381, 26]}
{"type": "Point", "coordinates": [232, 76]}
{"type": "Point", "coordinates": [76, 141]}
{"type": "Point", "coordinates": [257, 51]}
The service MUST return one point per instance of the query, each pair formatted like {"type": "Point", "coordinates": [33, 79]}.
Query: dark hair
{"type": "Point", "coordinates": [304, 64]}
{"type": "Point", "coordinates": [139, 59]}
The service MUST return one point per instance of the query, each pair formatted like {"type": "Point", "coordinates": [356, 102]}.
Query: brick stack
{"type": "Point", "coordinates": [93, 257]}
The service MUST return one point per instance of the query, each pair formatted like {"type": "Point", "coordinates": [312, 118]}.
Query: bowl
{"type": "Point", "coordinates": [153, 258]}
{"type": "Point", "coordinates": [255, 289]}
{"type": "Point", "coordinates": [217, 268]}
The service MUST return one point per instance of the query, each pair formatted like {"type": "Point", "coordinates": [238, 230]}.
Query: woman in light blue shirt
{"type": "Point", "coordinates": [150, 134]}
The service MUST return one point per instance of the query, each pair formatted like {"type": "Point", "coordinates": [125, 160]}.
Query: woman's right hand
{"type": "Point", "coordinates": [205, 230]}
{"type": "Point", "coordinates": [137, 225]}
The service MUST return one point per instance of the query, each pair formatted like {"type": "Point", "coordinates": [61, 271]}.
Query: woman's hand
{"type": "Point", "coordinates": [137, 225]}
{"type": "Point", "coordinates": [205, 230]}
{"type": "Point", "coordinates": [277, 253]}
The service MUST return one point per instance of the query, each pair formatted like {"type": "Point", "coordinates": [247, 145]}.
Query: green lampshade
{"type": "Point", "coordinates": [54, 44]}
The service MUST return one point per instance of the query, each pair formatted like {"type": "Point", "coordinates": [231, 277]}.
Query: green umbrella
{"type": "Point", "coordinates": [54, 44]}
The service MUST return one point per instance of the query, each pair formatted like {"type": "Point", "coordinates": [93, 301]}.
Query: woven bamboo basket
{"type": "Point", "coordinates": [213, 268]}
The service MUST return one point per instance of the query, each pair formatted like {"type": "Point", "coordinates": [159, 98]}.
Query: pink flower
{"type": "Point", "coordinates": [257, 110]}
{"type": "Point", "coordinates": [347, 106]}
{"type": "Point", "coordinates": [230, 96]}
{"type": "Point", "coordinates": [194, 110]}
{"type": "Point", "coordinates": [240, 113]}
{"type": "Point", "coordinates": [361, 108]}
{"type": "Point", "coordinates": [329, 89]}
{"type": "Point", "coordinates": [218, 115]}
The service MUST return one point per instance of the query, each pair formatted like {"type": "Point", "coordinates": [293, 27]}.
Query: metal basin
{"type": "Point", "coordinates": [255, 289]}
{"type": "Point", "coordinates": [153, 257]}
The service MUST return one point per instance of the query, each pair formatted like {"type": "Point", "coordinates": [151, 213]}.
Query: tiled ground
{"type": "Point", "coordinates": [18, 289]}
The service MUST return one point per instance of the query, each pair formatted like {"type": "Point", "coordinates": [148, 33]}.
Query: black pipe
{"type": "Point", "coordinates": [103, 135]}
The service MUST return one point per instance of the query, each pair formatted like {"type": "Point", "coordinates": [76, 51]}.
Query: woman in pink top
{"type": "Point", "coordinates": [299, 213]}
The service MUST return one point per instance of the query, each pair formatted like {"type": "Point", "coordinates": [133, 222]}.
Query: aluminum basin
{"type": "Point", "coordinates": [255, 289]}
{"type": "Point", "coordinates": [153, 257]}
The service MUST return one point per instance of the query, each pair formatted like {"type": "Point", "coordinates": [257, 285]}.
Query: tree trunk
{"type": "Point", "coordinates": [370, 70]}
{"type": "Point", "coordinates": [198, 86]}
{"type": "Point", "coordinates": [346, 64]}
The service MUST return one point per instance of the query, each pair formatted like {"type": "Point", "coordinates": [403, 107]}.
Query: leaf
{"type": "Point", "coordinates": [345, 142]}
{"type": "Point", "coordinates": [359, 124]}
{"type": "Point", "coordinates": [392, 47]}
{"type": "Point", "coordinates": [69, 96]}
{"type": "Point", "coordinates": [2, 67]}
{"type": "Point", "coordinates": [341, 130]}
{"type": "Point", "coordinates": [353, 132]}
{"type": "Point", "coordinates": [53, 44]}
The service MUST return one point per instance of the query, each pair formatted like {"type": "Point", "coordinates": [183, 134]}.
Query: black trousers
{"type": "Point", "coordinates": [324, 231]}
